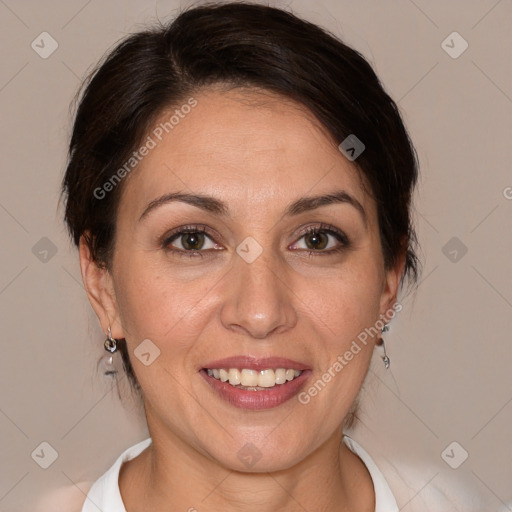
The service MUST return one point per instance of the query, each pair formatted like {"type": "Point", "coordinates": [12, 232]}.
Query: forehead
{"type": "Point", "coordinates": [242, 143]}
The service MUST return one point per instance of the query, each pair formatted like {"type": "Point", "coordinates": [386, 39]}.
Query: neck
{"type": "Point", "coordinates": [171, 475]}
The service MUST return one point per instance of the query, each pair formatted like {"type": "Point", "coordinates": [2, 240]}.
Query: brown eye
{"type": "Point", "coordinates": [192, 241]}
{"type": "Point", "coordinates": [323, 240]}
{"type": "Point", "coordinates": [189, 240]}
{"type": "Point", "coordinates": [316, 240]}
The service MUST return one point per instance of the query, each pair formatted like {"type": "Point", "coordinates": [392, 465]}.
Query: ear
{"type": "Point", "coordinates": [391, 285]}
{"type": "Point", "coordinates": [100, 291]}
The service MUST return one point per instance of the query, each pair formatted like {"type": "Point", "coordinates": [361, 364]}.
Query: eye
{"type": "Point", "coordinates": [189, 239]}
{"type": "Point", "coordinates": [322, 239]}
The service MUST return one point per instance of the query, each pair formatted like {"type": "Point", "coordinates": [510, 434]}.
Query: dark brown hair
{"type": "Point", "coordinates": [240, 45]}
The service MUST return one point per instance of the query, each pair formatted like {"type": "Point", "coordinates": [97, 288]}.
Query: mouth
{"type": "Point", "coordinates": [250, 383]}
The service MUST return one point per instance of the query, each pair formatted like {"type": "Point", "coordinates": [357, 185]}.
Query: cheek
{"type": "Point", "coordinates": [346, 302]}
{"type": "Point", "coordinates": [154, 303]}
{"type": "Point", "coordinates": [343, 310]}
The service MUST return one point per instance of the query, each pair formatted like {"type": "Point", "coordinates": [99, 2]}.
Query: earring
{"type": "Point", "coordinates": [385, 358]}
{"type": "Point", "coordinates": [110, 343]}
{"type": "Point", "coordinates": [107, 361]}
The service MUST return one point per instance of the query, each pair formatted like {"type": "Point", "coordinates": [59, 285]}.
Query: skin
{"type": "Point", "coordinates": [257, 153]}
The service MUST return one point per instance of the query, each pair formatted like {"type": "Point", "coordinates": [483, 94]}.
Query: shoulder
{"type": "Point", "coordinates": [70, 498]}
{"type": "Point", "coordinates": [422, 485]}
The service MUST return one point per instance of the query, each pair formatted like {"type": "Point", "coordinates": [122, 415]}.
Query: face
{"type": "Point", "coordinates": [246, 234]}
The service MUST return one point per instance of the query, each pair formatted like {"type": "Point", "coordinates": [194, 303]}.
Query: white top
{"type": "Point", "coordinates": [105, 495]}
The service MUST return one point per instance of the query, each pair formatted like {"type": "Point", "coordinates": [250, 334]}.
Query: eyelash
{"type": "Point", "coordinates": [322, 228]}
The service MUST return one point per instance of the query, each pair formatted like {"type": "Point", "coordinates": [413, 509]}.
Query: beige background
{"type": "Point", "coordinates": [450, 348]}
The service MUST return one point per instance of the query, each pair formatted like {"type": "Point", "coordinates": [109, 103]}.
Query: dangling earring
{"type": "Point", "coordinates": [107, 361]}
{"type": "Point", "coordinates": [385, 358]}
{"type": "Point", "coordinates": [110, 343]}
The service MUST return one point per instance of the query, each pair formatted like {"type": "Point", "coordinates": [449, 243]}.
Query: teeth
{"type": "Point", "coordinates": [267, 379]}
{"type": "Point", "coordinates": [280, 376]}
{"type": "Point", "coordinates": [234, 376]}
{"type": "Point", "coordinates": [252, 379]}
{"type": "Point", "coordinates": [249, 377]}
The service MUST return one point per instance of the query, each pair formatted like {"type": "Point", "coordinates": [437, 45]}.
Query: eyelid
{"type": "Point", "coordinates": [190, 228]}
{"type": "Point", "coordinates": [213, 235]}
{"type": "Point", "coordinates": [328, 228]}
{"type": "Point", "coordinates": [322, 226]}
{"type": "Point", "coordinates": [341, 237]}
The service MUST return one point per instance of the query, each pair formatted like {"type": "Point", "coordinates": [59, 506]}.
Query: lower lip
{"type": "Point", "coordinates": [257, 400]}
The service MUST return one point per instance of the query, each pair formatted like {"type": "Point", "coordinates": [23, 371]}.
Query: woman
{"type": "Point", "coordinates": [239, 186]}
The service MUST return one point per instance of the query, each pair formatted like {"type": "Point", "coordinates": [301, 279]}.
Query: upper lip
{"type": "Point", "coordinates": [255, 363]}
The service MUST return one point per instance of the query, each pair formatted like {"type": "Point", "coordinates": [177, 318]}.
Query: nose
{"type": "Point", "coordinates": [259, 301]}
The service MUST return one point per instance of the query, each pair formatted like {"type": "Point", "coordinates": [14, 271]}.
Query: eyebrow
{"type": "Point", "coordinates": [218, 207]}
{"type": "Point", "coordinates": [312, 202]}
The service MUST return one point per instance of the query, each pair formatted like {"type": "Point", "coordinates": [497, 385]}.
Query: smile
{"type": "Point", "coordinates": [263, 389]}
{"type": "Point", "coordinates": [254, 380]}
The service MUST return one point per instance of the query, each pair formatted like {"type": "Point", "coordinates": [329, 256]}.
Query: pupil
{"type": "Point", "coordinates": [316, 240]}
{"type": "Point", "coordinates": [193, 240]}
